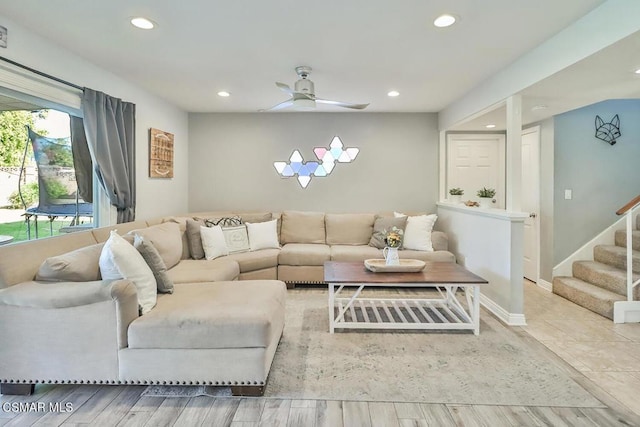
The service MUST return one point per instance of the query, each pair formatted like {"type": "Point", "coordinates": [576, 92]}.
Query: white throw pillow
{"type": "Point", "coordinates": [237, 238]}
{"type": "Point", "coordinates": [417, 233]}
{"type": "Point", "coordinates": [263, 235]}
{"type": "Point", "coordinates": [213, 242]}
{"type": "Point", "coordinates": [120, 260]}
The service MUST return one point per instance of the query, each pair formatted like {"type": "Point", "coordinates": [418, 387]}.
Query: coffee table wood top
{"type": "Point", "coordinates": [434, 272]}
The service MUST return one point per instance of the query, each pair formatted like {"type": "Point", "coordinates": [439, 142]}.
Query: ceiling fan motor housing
{"type": "Point", "coordinates": [305, 86]}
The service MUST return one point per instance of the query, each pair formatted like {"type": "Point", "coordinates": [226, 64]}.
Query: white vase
{"type": "Point", "coordinates": [486, 202]}
{"type": "Point", "coordinates": [455, 198]}
{"type": "Point", "coordinates": [391, 256]}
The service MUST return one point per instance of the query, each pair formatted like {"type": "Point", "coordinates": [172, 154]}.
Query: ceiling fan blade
{"type": "Point", "coordinates": [342, 104]}
{"type": "Point", "coordinates": [280, 106]}
{"type": "Point", "coordinates": [285, 88]}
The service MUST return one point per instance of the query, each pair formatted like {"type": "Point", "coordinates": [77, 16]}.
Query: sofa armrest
{"type": "Point", "coordinates": [66, 294]}
{"type": "Point", "coordinates": [440, 241]}
{"type": "Point", "coordinates": [64, 331]}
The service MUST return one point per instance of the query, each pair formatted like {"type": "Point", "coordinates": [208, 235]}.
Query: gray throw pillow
{"type": "Point", "coordinates": [194, 239]}
{"type": "Point", "coordinates": [383, 224]}
{"type": "Point", "coordinates": [156, 264]}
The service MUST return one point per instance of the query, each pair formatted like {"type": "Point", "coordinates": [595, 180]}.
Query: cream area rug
{"type": "Point", "coordinates": [498, 367]}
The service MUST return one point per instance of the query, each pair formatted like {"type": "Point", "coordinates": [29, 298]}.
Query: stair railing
{"type": "Point", "coordinates": [629, 210]}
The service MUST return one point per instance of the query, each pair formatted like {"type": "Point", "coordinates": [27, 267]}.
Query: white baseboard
{"type": "Point", "coordinates": [547, 286]}
{"type": "Point", "coordinates": [511, 319]}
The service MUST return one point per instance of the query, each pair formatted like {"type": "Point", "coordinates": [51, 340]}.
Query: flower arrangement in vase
{"type": "Point", "coordinates": [392, 241]}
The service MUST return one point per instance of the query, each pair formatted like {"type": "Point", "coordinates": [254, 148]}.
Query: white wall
{"type": "Point", "coordinates": [231, 161]}
{"type": "Point", "coordinates": [154, 197]}
{"type": "Point", "coordinates": [489, 243]}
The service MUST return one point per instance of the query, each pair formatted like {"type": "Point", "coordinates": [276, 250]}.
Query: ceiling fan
{"type": "Point", "coordinates": [303, 96]}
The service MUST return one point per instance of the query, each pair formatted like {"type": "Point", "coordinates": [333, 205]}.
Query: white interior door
{"type": "Point", "coordinates": [476, 161]}
{"type": "Point", "coordinates": [531, 200]}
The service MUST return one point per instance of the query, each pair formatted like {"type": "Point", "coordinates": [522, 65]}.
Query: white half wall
{"type": "Point", "coordinates": [489, 243]}
{"type": "Point", "coordinates": [231, 162]}
{"type": "Point", "coordinates": [155, 197]}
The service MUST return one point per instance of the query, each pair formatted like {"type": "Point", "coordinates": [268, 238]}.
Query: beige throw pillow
{"type": "Point", "coordinates": [381, 226]}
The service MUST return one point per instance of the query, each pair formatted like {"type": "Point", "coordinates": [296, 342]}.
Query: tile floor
{"type": "Point", "coordinates": [606, 353]}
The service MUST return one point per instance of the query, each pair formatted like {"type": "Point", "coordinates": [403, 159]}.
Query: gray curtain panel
{"type": "Point", "coordinates": [109, 125]}
{"type": "Point", "coordinates": [81, 160]}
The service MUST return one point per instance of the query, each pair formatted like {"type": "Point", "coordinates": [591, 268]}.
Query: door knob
{"type": "Point", "coordinates": [532, 215]}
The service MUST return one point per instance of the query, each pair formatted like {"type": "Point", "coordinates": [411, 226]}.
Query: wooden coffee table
{"type": "Point", "coordinates": [445, 312]}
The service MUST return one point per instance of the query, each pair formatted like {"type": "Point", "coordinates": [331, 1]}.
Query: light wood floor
{"type": "Point", "coordinates": [553, 323]}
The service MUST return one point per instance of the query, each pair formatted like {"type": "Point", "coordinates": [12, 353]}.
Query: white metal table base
{"type": "Point", "coordinates": [442, 313]}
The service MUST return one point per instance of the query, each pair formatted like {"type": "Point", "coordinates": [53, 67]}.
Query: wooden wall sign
{"type": "Point", "coordinates": [160, 154]}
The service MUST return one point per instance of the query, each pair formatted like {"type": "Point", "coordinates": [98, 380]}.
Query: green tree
{"type": "Point", "coordinates": [13, 135]}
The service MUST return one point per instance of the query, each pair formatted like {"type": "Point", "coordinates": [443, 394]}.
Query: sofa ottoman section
{"type": "Point", "coordinates": [227, 330]}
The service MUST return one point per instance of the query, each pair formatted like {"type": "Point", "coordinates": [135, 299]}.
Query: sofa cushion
{"type": "Point", "coordinates": [302, 227]}
{"type": "Point", "coordinates": [166, 239]}
{"type": "Point", "coordinates": [102, 234]}
{"type": "Point", "coordinates": [354, 253]}
{"type": "Point", "coordinates": [304, 254]}
{"type": "Point", "coordinates": [381, 226]}
{"type": "Point", "coordinates": [197, 271]}
{"type": "Point", "coordinates": [80, 265]}
{"type": "Point", "coordinates": [349, 229]}
{"type": "Point", "coordinates": [440, 241]}
{"type": "Point", "coordinates": [212, 315]}
{"type": "Point", "coordinates": [256, 260]}
{"type": "Point", "coordinates": [254, 217]}
{"type": "Point", "coordinates": [182, 222]}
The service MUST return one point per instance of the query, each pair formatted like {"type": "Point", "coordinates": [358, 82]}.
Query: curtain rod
{"type": "Point", "coordinates": [40, 73]}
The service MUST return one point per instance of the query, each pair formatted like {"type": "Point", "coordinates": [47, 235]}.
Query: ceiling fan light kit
{"type": "Point", "coordinates": [303, 95]}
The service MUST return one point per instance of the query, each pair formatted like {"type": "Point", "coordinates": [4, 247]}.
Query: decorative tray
{"type": "Point", "coordinates": [406, 266]}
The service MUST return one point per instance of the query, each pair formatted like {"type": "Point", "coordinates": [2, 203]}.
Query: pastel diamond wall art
{"type": "Point", "coordinates": [303, 171]}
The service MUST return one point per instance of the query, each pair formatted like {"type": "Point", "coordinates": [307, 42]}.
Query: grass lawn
{"type": "Point", "coordinates": [18, 229]}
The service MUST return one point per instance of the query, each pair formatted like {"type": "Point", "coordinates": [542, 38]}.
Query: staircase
{"type": "Point", "coordinates": [597, 284]}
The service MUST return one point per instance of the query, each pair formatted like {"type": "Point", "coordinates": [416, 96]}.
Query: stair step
{"type": "Point", "coordinates": [586, 295]}
{"type": "Point", "coordinates": [605, 276]}
{"type": "Point", "coordinates": [616, 256]}
{"type": "Point", "coordinates": [621, 239]}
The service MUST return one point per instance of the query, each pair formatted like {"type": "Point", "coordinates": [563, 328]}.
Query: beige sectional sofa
{"type": "Point", "coordinates": [221, 326]}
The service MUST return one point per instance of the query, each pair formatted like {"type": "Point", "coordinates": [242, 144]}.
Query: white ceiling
{"type": "Point", "coordinates": [608, 74]}
{"type": "Point", "coordinates": [359, 49]}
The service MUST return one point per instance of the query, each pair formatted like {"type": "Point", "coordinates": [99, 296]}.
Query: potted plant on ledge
{"type": "Point", "coordinates": [486, 197]}
{"type": "Point", "coordinates": [456, 195]}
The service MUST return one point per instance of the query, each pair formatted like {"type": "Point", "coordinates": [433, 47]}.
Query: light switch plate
{"type": "Point", "coordinates": [568, 194]}
{"type": "Point", "coordinates": [3, 36]}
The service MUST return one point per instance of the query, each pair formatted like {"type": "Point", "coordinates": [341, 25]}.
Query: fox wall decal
{"type": "Point", "coordinates": [608, 132]}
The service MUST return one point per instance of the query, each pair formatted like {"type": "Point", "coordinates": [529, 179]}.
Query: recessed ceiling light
{"type": "Point", "coordinates": [490, 126]}
{"type": "Point", "coordinates": [637, 71]}
{"type": "Point", "coordinates": [142, 23]}
{"type": "Point", "coordinates": [445, 20]}
{"type": "Point", "coordinates": [539, 107]}
{"type": "Point", "coordinates": [223, 93]}
{"type": "Point", "coordinates": [393, 93]}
